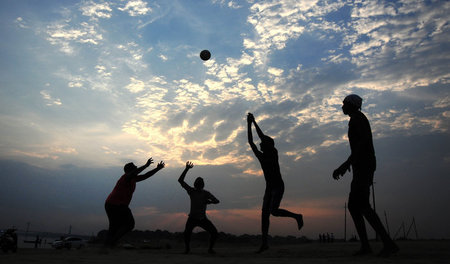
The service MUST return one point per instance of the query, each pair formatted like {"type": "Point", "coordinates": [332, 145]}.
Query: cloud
{"type": "Point", "coordinates": [136, 8]}
{"type": "Point", "coordinates": [50, 100]}
{"type": "Point", "coordinates": [65, 36]}
{"type": "Point", "coordinates": [96, 10]}
{"type": "Point", "coordinates": [21, 23]}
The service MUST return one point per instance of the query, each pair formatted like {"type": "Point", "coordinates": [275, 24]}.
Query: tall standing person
{"type": "Point", "coordinates": [363, 162]}
{"type": "Point", "coordinates": [268, 158]}
{"type": "Point", "coordinates": [117, 204]}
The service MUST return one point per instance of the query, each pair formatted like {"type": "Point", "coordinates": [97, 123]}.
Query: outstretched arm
{"type": "Point", "coordinates": [189, 165]}
{"type": "Point", "coordinates": [150, 173]}
{"type": "Point", "coordinates": [135, 172]}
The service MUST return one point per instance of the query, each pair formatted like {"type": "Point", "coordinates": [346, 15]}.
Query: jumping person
{"type": "Point", "coordinates": [362, 160]}
{"type": "Point", "coordinates": [117, 204]}
{"type": "Point", "coordinates": [197, 216]}
{"type": "Point", "coordinates": [268, 157]}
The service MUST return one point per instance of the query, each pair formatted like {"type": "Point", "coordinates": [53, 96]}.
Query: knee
{"type": "Point", "coordinates": [275, 212]}
{"type": "Point", "coordinates": [265, 213]}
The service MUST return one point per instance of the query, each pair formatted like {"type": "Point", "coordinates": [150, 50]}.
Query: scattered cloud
{"type": "Point", "coordinates": [96, 10]}
{"type": "Point", "coordinates": [136, 8]}
{"type": "Point", "coordinates": [49, 99]}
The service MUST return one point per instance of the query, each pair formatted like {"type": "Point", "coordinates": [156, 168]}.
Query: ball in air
{"type": "Point", "coordinates": [205, 55]}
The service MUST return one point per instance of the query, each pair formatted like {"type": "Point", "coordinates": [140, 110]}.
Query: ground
{"type": "Point", "coordinates": [410, 252]}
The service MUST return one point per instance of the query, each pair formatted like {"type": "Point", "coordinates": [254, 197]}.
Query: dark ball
{"type": "Point", "coordinates": [205, 55]}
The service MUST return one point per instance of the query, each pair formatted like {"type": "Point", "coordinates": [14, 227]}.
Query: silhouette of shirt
{"type": "Point", "coordinates": [361, 144]}
{"type": "Point", "coordinates": [270, 167]}
{"type": "Point", "coordinates": [123, 191]}
{"type": "Point", "coordinates": [199, 200]}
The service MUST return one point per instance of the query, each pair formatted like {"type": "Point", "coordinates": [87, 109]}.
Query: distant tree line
{"type": "Point", "coordinates": [155, 237]}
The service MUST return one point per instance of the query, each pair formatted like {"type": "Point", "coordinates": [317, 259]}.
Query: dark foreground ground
{"type": "Point", "coordinates": [410, 252]}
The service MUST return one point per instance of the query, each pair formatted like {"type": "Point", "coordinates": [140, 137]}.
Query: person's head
{"type": "Point", "coordinates": [267, 143]}
{"type": "Point", "coordinates": [199, 184]}
{"type": "Point", "coordinates": [129, 167]}
{"type": "Point", "coordinates": [351, 104]}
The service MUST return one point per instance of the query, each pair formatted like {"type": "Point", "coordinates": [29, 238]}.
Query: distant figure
{"type": "Point", "coordinates": [268, 157]}
{"type": "Point", "coordinates": [197, 215]}
{"type": "Point", "coordinates": [362, 160]}
{"type": "Point", "coordinates": [119, 214]}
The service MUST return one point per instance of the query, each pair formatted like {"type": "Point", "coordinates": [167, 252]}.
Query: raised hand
{"type": "Point", "coordinates": [189, 165]}
{"type": "Point", "coordinates": [160, 165]}
{"type": "Point", "coordinates": [149, 161]}
{"type": "Point", "coordinates": [250, 118]}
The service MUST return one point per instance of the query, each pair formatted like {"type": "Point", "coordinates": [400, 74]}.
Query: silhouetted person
{"type": "Point", "coordinates": [268, 157]}
{"type": "Point", "coordinates": [362, 160]}
{"type": "Point", "coordinates": [197, 215]}
{"type": "Point", "coordinates": [119, 214]}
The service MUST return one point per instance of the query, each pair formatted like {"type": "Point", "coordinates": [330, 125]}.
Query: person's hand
{"type": "Point", "coordinates": [250, 118]}
{"type": "Point", "coordinates": [149, 161]}
{"type": "Point", "coordinates": [337, 173]}
{"type": "Point", "coordinates": [160, 165]}
{"type": "Point", "coordinates": [189, 165]}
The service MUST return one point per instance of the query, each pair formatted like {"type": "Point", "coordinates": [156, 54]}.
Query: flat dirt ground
{"type": "Point", "coordinates": [410, 252]}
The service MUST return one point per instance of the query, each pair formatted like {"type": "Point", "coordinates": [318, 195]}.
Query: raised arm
{"type": "Point", "coordinates": [258, 130]}
{"type": "Point", "coordinates": [250, 120]}
{"type": "Point", "coordinates": [147, 175]}
{"type": "Point", "coordinates": [189, 165]}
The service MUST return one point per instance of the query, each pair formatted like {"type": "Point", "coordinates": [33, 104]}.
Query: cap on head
{"type": "Point", "coordinates": [199, 183]}
{"type": "Point", "coordinates": [354, 100]}
{"type": "Point", "coordinates": [129, 167]}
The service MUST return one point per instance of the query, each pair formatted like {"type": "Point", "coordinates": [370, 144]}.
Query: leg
{"type": "Point", "coordinates": [190, 225]}
{"type": "Point", "coordinates": [112, 225]}
{"type": "Point", "coordinates": [358, 199]}
{"type": "Point", "coordinates": [209, 227]}
{"type": "Point", "coordinates": [277, 195]}
{"type": "Point", "coordinates": [126, 225]}
{"type": "Point", "coordinates": [265, 221]}
{"type": "Point", "coordinates": [115, 216]}
{"type": "Point", "coordinates": [389, 245]}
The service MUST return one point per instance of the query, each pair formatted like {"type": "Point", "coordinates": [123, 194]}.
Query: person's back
{"type": "Point", "coordinates": [271, 167]}
{"type": "Point", "coordinates": [361, 145]}
{"type": "Point", "coordinates": [359, 131]}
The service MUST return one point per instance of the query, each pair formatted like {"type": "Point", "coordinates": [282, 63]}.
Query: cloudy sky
{"type": "Point", "coordinates": [87, 86]}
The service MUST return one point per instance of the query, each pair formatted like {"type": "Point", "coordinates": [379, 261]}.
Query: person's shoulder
{"type": "Point", "coordinates": [189, 189]}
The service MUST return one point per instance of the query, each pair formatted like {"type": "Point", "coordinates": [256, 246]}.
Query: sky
{"type": "Point", "coordinates": [87, 86]}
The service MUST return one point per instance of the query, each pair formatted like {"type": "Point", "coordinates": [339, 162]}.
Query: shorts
{"type": "Point", "coordinates": [272, 198]}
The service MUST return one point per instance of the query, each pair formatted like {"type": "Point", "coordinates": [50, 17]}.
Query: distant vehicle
{"type": "Point", "coordinates": [69, 242]}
